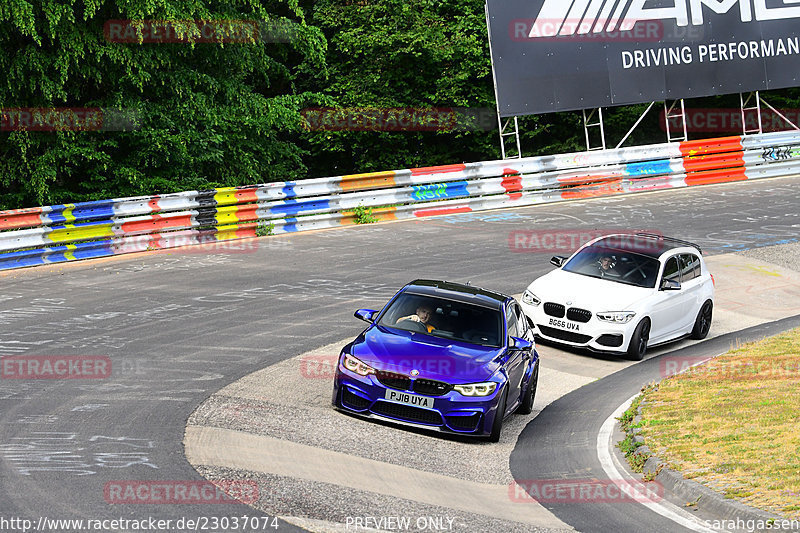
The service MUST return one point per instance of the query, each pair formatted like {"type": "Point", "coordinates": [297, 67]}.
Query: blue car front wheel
{"type": "Point", "coordinates": [497, 426]}
{"type": "Point", "coordinates": [526, 407]}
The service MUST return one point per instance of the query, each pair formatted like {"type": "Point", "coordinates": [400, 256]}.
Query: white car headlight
{"type": "Point", "coordinates": [529, 298]}
{"type": "Point", "coordinates": [354, 365]}
{"type": "Point", "coordinates": [476, 389]}
{"type": "Point", "coordinates": [617, 317]}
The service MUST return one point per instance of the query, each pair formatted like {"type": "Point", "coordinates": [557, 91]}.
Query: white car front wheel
{"type": "Point", "coordinates": [638, 344]}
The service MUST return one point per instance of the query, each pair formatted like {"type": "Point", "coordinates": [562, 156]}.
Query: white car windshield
{"type": "Point", "coordinates": [612, 264]}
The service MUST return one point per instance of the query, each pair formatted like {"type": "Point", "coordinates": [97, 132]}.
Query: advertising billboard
{"type": "Point", "coordinates": [563, 55]}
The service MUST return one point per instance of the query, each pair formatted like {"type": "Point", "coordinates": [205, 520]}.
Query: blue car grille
{"type": "Point", "coordinates": [429, 387]}
{"type": "Point", "coordinates": [394, 381]}
{"type": "Point", "coordinates": [407, 413]}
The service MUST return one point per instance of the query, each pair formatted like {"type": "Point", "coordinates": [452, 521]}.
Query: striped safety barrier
{"type": "Point", "coordinates": [58, 233]}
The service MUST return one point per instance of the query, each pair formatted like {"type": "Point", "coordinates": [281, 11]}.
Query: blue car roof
{"type": "Point", "coordinates": [458, 291]}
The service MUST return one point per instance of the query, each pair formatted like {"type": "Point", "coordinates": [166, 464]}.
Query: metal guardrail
{"type": "Point", "coordinates": [58, 233]}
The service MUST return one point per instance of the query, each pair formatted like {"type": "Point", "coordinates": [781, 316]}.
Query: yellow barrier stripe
{"type": "Point", "coordinates": [67, 213]}
{"type": "Point", "coordinates": [227, 215]}
{"type": "Point", "coordinates": [70, 255]}
{"type": "Point", "coordinates": [225, 196]}
{"type": "Point", "coordinates": [371, 180]}
{"type": "Point", "coordinates": [80, 233]}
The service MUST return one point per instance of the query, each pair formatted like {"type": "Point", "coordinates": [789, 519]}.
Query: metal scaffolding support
{"type": "Point", "coordinates": [675, 115]}
{"type": "Point", "coordinates": [633, 128]}
{"type": "Point", "coordinates": [781, 115]}
{"type": "Point", "coordinates": [509, 130]}
{"type": "Point", "coordinates": [747, 106]}
{"type": "Point", "coordinates": [509, 127]}
{"type": "Point", "coordinates": [594, 120]}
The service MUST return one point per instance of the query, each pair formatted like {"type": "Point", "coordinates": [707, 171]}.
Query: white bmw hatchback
{"type": "Point", "coordinates": [623, 293]}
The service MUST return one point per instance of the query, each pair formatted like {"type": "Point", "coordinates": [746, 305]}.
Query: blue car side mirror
{"type": "Point", "coordinates": [367, 315]}
{"type": "Point", "coordinates": [516, 343]}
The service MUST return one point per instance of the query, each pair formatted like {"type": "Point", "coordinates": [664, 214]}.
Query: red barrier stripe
{"type": "Point", "coordinates": [437, 170]}
{"type": "Point", "coordinates": [609, 189]}
{"type": "Point", "coordinates": [247, 195]}
{"type": "Point", "coordinates": [512, 184]}
{"type": "Point", "coordinates": [157, 222]}
{"type": "Point", "coordinates": [247, 213]}
{"type": "Point", "coordinates": [21, 218]}
{"type": "Point", "coordinates": [442, 211]}
{"type": "Point", "coordinates": [711, 146]}
{"type": "Point", "coordinates": [716, 176]}
{"type": "Point", "coordinates": [713, 161]}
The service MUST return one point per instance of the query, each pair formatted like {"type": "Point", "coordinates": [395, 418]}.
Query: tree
{"type": "Point", "coordinates": [398, 54]}
{"type": "Point", "coordinates": [201, 112]}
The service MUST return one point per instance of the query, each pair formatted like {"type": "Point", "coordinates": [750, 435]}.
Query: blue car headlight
{"type": "Point", "coordinates": [476, 389]}
{"type": "Point", "coordinates": [354, 365]}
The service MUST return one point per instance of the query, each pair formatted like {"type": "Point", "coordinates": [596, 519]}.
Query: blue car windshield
{"type": "Point", "coordinates": [611, 264]}
{"type": "Point", "coordinates": [448, 319]}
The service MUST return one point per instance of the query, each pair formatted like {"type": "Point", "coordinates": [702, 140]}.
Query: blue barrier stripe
{"type": "Point", "coordinates": [7, 264]}
{"type": "Point", "coordinates": [290, 226]}
{"type": "Point", "coordinates": [81, 211]}
{"type": "Point", "coordinates": [79, 254]}
{"type": "Point", "coordinates": [293, 207]}
{"type": "Point", "coordinates": [288, 189]}
{"type": "Point", "coordinates": [56, 254]}
{"type": "Point", "coordinates": [648, 168]}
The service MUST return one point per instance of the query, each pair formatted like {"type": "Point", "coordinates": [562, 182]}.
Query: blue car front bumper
{"type": "Point", "coordinates": [451, 413]}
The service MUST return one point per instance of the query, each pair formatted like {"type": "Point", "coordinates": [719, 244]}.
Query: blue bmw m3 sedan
{"type": "Point", "coordinates": [440, 355]}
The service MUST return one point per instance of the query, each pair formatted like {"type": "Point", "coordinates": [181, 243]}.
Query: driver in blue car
{"type": "Point", "coordinates": [423, 315]}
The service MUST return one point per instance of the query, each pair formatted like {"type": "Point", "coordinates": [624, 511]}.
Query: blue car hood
{"type": "Point", "coordinates": [395, 350]}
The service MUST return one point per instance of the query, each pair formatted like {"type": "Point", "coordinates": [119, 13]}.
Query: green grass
{"type": "Point", "coordinates": [734, 423]}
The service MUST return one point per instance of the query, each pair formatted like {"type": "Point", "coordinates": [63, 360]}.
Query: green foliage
{"type": "Point", "coordinates": [364, 215]}
{"type": "Point", "coordinates": [419, 54]}
{"type": "Point", "coordinates": [264, 230]}
{"type": "Point", "coordinates": [209, 114]}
